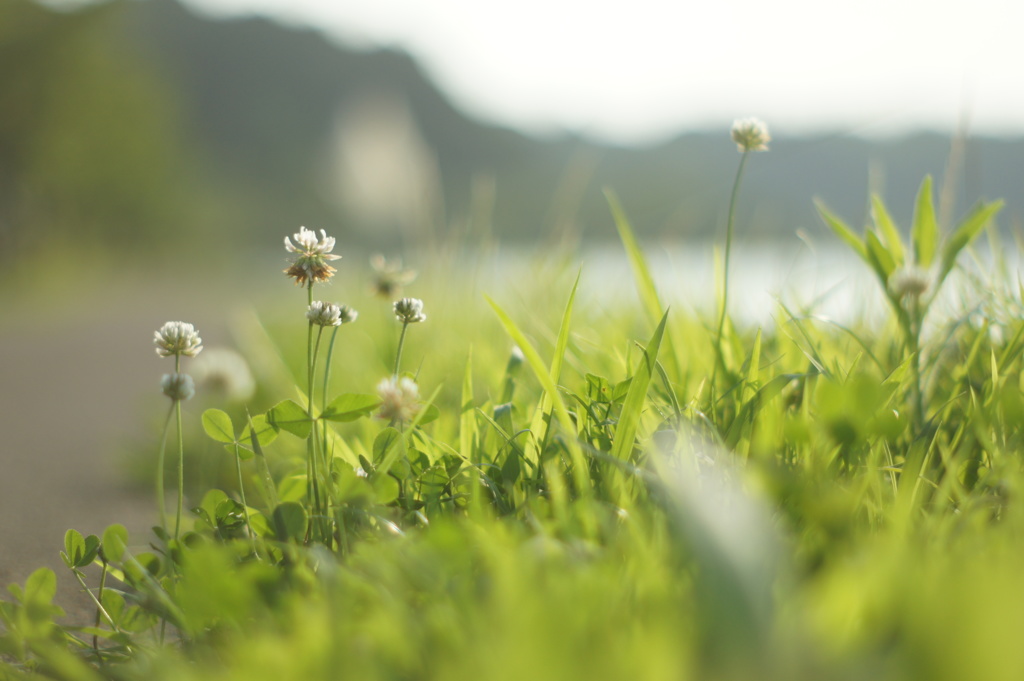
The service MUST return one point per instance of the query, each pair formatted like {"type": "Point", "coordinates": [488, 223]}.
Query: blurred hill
{"type": "Point", "coordinates": [138, 122]}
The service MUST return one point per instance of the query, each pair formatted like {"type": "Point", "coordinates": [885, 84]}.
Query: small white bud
{"type": "Point", "coordinates": [179, 387]}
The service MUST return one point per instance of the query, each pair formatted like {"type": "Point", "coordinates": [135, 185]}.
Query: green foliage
{"type": "Point", "coordinates": [349, 407]}
{"type": "Point", "coordinates": [91, 145]}
{"type": "Point", "coordinates": [840, 503]}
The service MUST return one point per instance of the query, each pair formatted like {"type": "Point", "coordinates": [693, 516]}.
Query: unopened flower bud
{"type": "Point", "coordinates": [179, 387]}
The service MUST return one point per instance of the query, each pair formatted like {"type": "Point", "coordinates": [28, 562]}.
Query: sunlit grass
{"type": "Point", "coordinates": [577, 488]}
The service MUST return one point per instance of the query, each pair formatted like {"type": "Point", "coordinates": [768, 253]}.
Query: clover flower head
{"type": "Point", "coordinates": [389, 276]}
{"type": "Point", "coordinates": [409, 310]}
{"type": "Point", "coordinates": [347, 314]}
{"type": "Point", "coordinates": [399, 399]}
{"type": "Point", "coordinates": [751, 134]}
{"type": "Point", "coordinates": [313, 254]}
{"type": "Point", "coordinates": [179, 387]}
{"type": "Point", "coordinates": [176, 339]}
{"type": "Point", "coordinates": [909, 281]}
{"type": "Point", "coordinates": [324, 314]}
{"type": "Point", "coordinates": [225, 372]}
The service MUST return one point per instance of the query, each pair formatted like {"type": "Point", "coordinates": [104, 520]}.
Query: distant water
{"type": "Point", "coordinates": [831, 282]}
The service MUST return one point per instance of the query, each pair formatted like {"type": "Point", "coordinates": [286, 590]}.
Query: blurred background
{"type": "Point", "coordinates": [131, 124]}
{"type": "Point", "coordinates": [154, 153]}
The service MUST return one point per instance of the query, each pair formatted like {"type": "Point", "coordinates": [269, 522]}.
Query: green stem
{"type": "Point", "coordinates": [323, 399]}
{"type": "Point", "coordinates": [317, 502]}
{"type": "Point", "coordinates": [99, 606]}
{"type": "Point", "coordinates": [245, 506]}
{"type": "Point", "coordinates": [160, 500]}
{"type": "Point", "coordinates": [914, 343]}
{"type": "Point", "coordinates": [99, 599]}
{"type": "Point", "coordinates": [312, 490]}
{"type": "Point", "coordinates": [730, 222]}
{"type": "Point", "coordinates": [401, 343]}
{"type": "Point", "coordinates": [181, 457]}
{"type": "Point", "coordinates": [327, 366]}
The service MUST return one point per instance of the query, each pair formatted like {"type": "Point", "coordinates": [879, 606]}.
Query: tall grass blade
{"type": "Point", "coordinates": [843, 231]}
{"type": "Point", "coordinates": [925, 230]}
{"type": "Point", "coordinates": [467, 414]}
{"type": "Point", "coordinates": [887, 227]}
{"type": "Point", "coordinates": [641, 272]}
{"type": "Point", "coordinates": [966, 232]}
{"type": "Point", "coordinates": [541, 423]}
{"type": "Point", "coordinates": [636, 396]}
{"type": "Point", "coordinates": [645, 286]}
{"type": "Point", "coordinates": [581, 474]}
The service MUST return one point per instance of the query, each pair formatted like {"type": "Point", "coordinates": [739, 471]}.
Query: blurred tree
{"type": "Point", "coordinates": [90, 147]}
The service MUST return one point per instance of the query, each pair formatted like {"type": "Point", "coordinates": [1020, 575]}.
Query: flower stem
{"type": "Point", "coordinates": [914, 341]}
{"type": "Point", "coordinates": [730, 222]}
{"type": "Point", "coordinates": [181, 457]}
{"type": "Point", "coordinates": [312, 488]}
{"type": "Point", "coordinates": [323, 399]}
{"type": "Point", "coordinates": [327, 367]}
{"type": "Point", "coordinates": [160, 500]}
{"type": "Point", "coordinates": [99, 599]}
{"type": "Point", "coordinates": [245, 506]}
{"type": "Point", "coordinates": [401, 343]}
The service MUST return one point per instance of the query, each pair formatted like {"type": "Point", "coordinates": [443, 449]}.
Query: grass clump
{"type": "Point", "coordinates": [567, 491]}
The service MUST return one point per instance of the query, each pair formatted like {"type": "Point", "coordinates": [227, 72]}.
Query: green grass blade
{"type": "Point", "coordinates": [468, 435]}
{"type": "Point", "coordinates": [542, 415]}
{"type": "Point", "coordinates": [645, 286]}
{"type": "Point", "coordinates": [641, 272]}
{"type": "Point", "coordinates": [755, 366]}
{"type": "Point", "coordinates": [888, 230]}
{"type": "Point", "coordinates": [843, 231]}
{"type": "Point", "coordinates": [925, 230]}
{"type": "Point", "coordinates": [533, 358]}
{"type": "Point", "coordinates": [632, 406]}
{"type": "Point", "coordinates": [966, 232]}
{"type": "Point", "coordinates": [582, 478]}
{"type": "Point", "coordinates": [881, 260]}
{"type": "Point", "coordinates": [563, 333]}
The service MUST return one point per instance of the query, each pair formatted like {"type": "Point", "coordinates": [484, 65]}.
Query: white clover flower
{"type": "Point", "coordinates": [178, 387]}
{"type": "Point", "coordinates": [909, 281]}
{"type": "Point", "coordinates": [324, 314]}
{"type": "Point", "coordinates": [750, 134]}
{"type": "Point", "coordinates": [330, 314]}
{"type": "Point", "coordinates": [313, 254]}
{"type": "Point", "coordinates": [399, 399]}
{"type": "Point", "coordinates": [309, 245]}
{"type": "Point", "coordinates": [176, 339]}
{"type": "Point", "coordinates": [224, 371]}
{"type": "Point", "coordinates": [409, 310]}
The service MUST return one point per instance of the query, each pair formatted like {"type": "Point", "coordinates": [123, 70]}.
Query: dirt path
{"type": "Point", "coordinates": [78, 383]}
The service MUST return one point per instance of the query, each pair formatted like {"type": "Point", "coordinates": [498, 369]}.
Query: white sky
{"type": "Point", "coordinates": [645, 69]}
